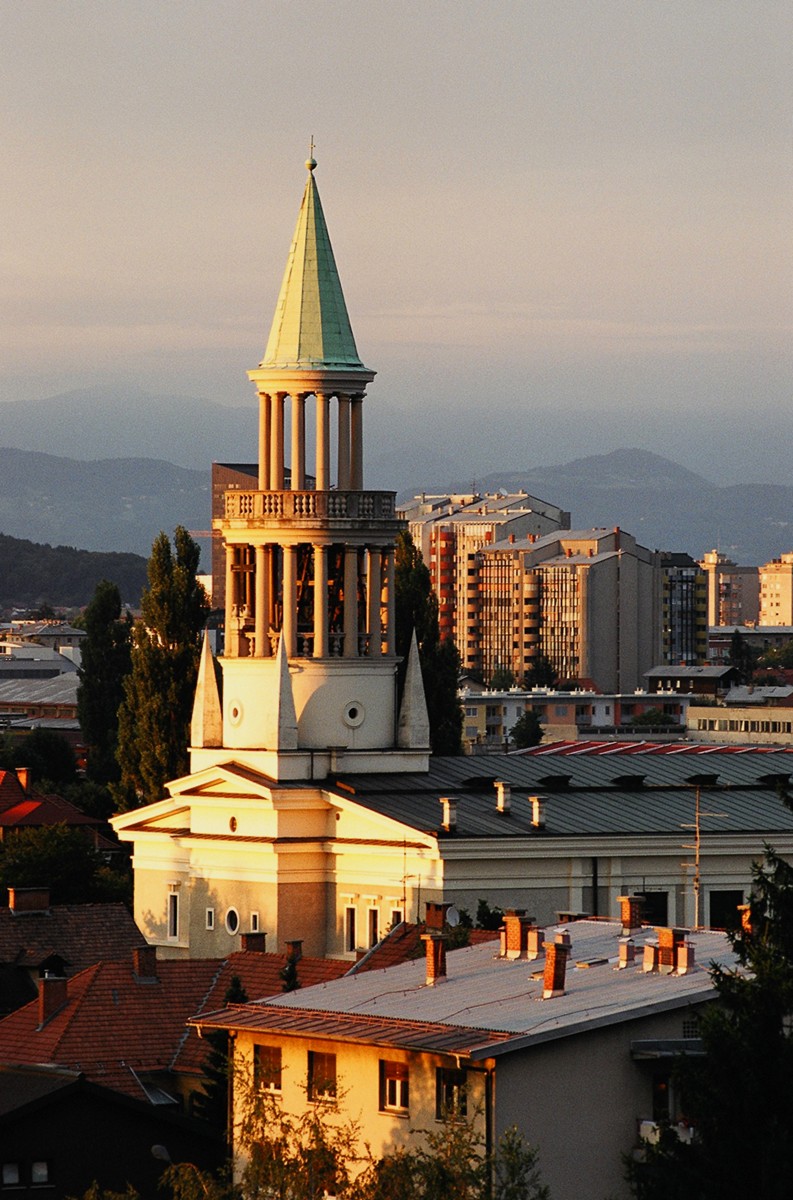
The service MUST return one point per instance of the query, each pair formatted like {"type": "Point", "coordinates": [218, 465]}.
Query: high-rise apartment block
{"type": "Point", "coordinates": [588, 602]}
{"type": "Point", "coordinates": [733, 591]}
{"type": "Point", "coordinates": [684, 610]}
{"type": "Point", "coordinates": [776, 591]}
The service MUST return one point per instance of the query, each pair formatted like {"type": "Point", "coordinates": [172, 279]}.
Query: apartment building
{"type": "Point", "coordinates": [776, 591]}
{"type": "Point", "coordinates": [684, 609]}
{"type": "Point", "coordinates": [733, 591]}
{"type": "Point", "coordinates": [589, 602]}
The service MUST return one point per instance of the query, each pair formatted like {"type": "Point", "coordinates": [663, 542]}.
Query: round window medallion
{"type": "Point", "coordinates": [235, 713]}
{"type": "Point", "coordinates": [232, 921]}
{"type": "Point", "coordinates": [354, 714]}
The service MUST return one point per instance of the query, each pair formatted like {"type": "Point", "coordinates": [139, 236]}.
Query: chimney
{"type": "Point", "coordinates": [294, 951]}
{"type": "Point", "coordinates": [627, 953]}
{"type": "Point", "coordinates": [254, 942]}
{"type": "Point", "coordinates": [449, 817]}
{"type": "Point", "coordinates": [144, 962]}
{"type": "Point", "coordinates": [517, 927]}
{"type": "Point", "coordinates": [436, 915]}
{"type": "Point", "coordinates": [556, 953]}
{"type": "Point", "coordinates": [535, 939]}
{"type": "Point", "coordinates": [436, 957]}
{"type": "Point", "coordinates": [537, 811]}
{"type": "Point", "coordinates": [669, 942]}
{"type": "Point", "coordinates": [630, 913]}
{"type": "Point", "coordinates": [53, 995]}
{"type": "Point", "coordinates": [512, 539]}
{"type": "Point", "coordinates": [746, 917]}
{"type": "Point", "coordinates": [650, 957]}
{"type": "Point", "coordinates": [23, 775]}
{"type": "Point", "coordinates": [503, 796]}
{"type": "Point", "coordinates": [685, 958]}
{"type": "Point", "coordinates": [29, 899]}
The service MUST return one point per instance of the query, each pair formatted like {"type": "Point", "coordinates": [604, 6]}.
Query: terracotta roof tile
{"type": "Point", "coordinates": [81, 934]}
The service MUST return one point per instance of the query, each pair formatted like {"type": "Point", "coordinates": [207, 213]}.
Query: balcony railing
{"type": "Point", "coordinates": [290, 505]}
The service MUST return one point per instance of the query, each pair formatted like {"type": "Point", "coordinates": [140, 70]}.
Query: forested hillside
{"type": "Point", "coordinates": [33, 574]}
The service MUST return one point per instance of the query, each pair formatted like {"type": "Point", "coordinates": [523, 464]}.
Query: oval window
{"type": "Point", "coordinates": [232, 921]}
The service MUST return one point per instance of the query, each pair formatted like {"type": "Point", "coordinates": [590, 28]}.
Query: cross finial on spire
{"type": "Point", "coordinates": [311, 162]}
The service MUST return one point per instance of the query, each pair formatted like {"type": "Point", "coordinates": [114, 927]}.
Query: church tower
{"type": "Point", "coordinates": [307, 682]}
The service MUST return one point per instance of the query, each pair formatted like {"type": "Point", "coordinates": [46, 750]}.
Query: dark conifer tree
{"type": "Point", "coordinates": [154, 718]}
{"type": "Point", "coordinates": [105, 663]}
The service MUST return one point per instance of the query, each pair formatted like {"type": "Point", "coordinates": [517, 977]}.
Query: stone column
{"type": "Point", "coordinates": [298, 443]}
{"type": "Point", "coordinates": [390, 637]}
{"type": "Point", "coordinates": [350, 602]}
{"type": "Point", "coordinates": [230, 649]}
{"type": "Point", "coordinates": [262, 627]}
{"type": "Point", "coordinates": [320, 602]}
{"type": "Point", "coordinates": [323, 443]}
{"type": "Point", "coordinates": [344, 444]}
{"type": "Point", "coordinates": [356, 444]}
{"type": "Point", "coordinates": [277, 442]}
{"type": "Point", "coordinates": [374, 589]}
{"type": "Point", "coordinates": [289, 621]}
{"type": "Point", "coordinates": [265, 413]}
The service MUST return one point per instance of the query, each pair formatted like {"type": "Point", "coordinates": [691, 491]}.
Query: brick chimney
{"type": "Point", "coordinates": [29, 899]}
{"type": "Point", "coordinates": [53, 995]}
{"type": "Point", "coordinates": [503, 796]}
{"type": "Point", "coordinates": [669, 942]}
{"type": "Point", "coordinates": [294, 950]}
{"type": "Point", "coordinates": [556, 954]}
{"type": "Point", "coordinates": [449, 813]}
{"type": "Point", "coordinates": [517, 927]}
{"type": "Point", "coordinates": [23, 775]}
{"type": "Point", "coordinates": [537, 811]}
{"type": "Point", "coordinates": [435, 917]}
{"type": "Point", "coordinates": [254, 942]}
{"type": "Point", "coordinates": [436, 957]}
{"type": "Point", "coordinates": [144, 962]}
{"type": "Point", "coordinates": [630, 913]}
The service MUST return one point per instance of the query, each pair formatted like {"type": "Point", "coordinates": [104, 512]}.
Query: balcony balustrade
{"type": "Point", "coordinates": [289, 506]}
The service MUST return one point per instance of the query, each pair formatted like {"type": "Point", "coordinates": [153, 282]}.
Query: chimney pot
{"type": "Point", "coordinates": [555, 968]}
{"type": "Point", "coordinates": [436, 957]}
{"type": "Point", "coordinates": [30, 899]}
{"type": "Point", "coordinates": [630, 913]}
{"type": "Point", "coordinates": [627, 953]}
{"type": "Point", "coordinates": [53, 994]}
{"type": "Point", "coordinates": [294, 950]}
{"type": "Point", "coordinates": [449, 817]}
{"type": "Point", "coordinates": [254, 942]}
{"type": "Point", "coordinates": [144, 962]}
{"type": "Point", "coordinates": [435, 915]}
{"type": "Point", "coordinates": [517, 930]}
{"type": "Point", "coordinates": [650, 957]}
{"type": "Point", "coordinates": [669, 942]}
{"type": "Point", "coordinates": [537, 811]}
{"type": "Point", "coordinates": [503, 796]}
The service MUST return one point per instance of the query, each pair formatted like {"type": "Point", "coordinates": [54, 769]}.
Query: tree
{"type": "Point", "coordinates": [212, 1104]}
{"type": "Point", "coordinates": [105, 664]}
{"type": "Point", "coordinates": [739, 1095]}
{"type": "Point", "coordinates": [46, 752]}
{"type": "Point", "coordinates": [488, 917]}
{"type": "Point", "coordinates": [154, 718]}
{"type": "Point", "coordinates": [527, 730]}
{"type": "Point", "coordinates": [64, 860]}
{"type": "Point", "coordinates": [417, 608]}
{"type": "Point", "coordinates": [501, 679]}
{"type": "Point", "coordinates": [652, 719]}
{"type": "Point", "coordinates": [742, 656]}
{"type": "Point", "coordinates": [541, 673]}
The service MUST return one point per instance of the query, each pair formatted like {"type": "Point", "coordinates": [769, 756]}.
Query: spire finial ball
{"type": "Point", "coordinates": [310, 164]}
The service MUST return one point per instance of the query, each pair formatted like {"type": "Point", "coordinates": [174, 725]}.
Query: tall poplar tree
{"type": "Point", "coordinates": [154, 718]}
{"type": "Point", "coordinates": [105, 663]}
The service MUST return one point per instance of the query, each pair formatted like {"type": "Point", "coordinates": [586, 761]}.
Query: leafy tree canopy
{"type": "Point", "coordinates": [46, 752]}
{"type": "Point", "coordinates": [527, 730]}
{"type": "Point", "coordinates": [652, 718]}
{"type": "Point", "coordinates": [105, 664]}
{"type": "Point", "coordinates": [63, 859]}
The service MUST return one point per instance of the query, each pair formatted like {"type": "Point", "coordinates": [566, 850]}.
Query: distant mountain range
{"type": "Point", "coordinates": [98, 500]}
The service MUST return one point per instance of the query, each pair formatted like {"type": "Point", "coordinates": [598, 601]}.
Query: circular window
{"type": "Point", "coordinates": [354, 714]}
{"type": "Point", "coordinates": [235, 712]}
{"type": "Point", "coordinates": [232, 921]}
{"type": "Point", "coordinates": [233, 824]}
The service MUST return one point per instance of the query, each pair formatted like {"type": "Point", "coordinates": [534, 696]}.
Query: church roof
{"type": "Point", "coordinates": [311, 328]}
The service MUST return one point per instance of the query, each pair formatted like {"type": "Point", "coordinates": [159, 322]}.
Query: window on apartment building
{"type": "Point", "coordinates": [396, 917]}
{"type": "Point", "coordinates": [173, 915]}
{"type": "Point", "coordinates": [374, 926]}
{"type": "Point", "coordinates": [267, 1068]}
{"type": "Point", "coordinates": [450, 1093]}
{"type": "Point", "coordinates": [321, 1076]}
{"type": "Point", "coordinates": [210, 918]}
{"type": "Point", "coordinates": [232, 921]}
{"type": "Point", "coordinates": [11, 1177]}
{"type": "Point", "coordinates": [350, 940]}
{"type": "Point", "coordinates": [39, 1172]}
{"type": "Point", "coordinates": [394, 1086]}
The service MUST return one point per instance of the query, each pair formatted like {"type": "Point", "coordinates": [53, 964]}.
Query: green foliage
{"type": "Point", "coordinates": [487, 917]}
{"type": "Point", "coordinates": [781, 656]}
{"type": "Point", "coordinates": [652, 718]}
{"type": "Point", "coordinates": [46, 752]}
{"type": "Point", "coordinates": [739, 1097]}
{"type": "Point", "coordinates": [542, 674]}
{"type": "Point", "coordinates": [212, 1104]}
{"type": "Point", "coordinates": [502, 679]}
{"type": "Point", "coordinates": [64, 860]}
{"type": "Point", "coordinates": [30, 572]}
{"type": "Point", "coordinates": [106, 662]}
{"type": "Point", "coordinates": [742, 656]}
{"type": "Point", "coordinates": [154, 718]}
{"type": "Point", "coordinates": [527, 730]}
{"type": "Point", "coordinates": [417, 608]}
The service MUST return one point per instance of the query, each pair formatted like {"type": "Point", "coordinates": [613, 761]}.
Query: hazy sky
{"type": "Point", "coordinates": [542, 211]}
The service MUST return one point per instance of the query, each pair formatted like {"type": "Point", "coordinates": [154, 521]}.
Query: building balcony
{"type": "Point", "coordinates": [287, 507]}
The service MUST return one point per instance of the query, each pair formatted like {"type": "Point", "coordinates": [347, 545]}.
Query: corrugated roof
{"type": "Point", "coordinates": [485, 1000]}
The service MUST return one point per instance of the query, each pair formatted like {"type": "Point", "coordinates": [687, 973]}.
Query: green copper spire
{"type": "Point", "coordinates": [311, 328]}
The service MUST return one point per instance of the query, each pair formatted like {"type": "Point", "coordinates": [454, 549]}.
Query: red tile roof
{"type": "Point", "coordinates": [404, 943]}
{"type": "Point", "coordinates": [81, 934]}
{"type": "Point", "coordinates": [115, 1027]}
